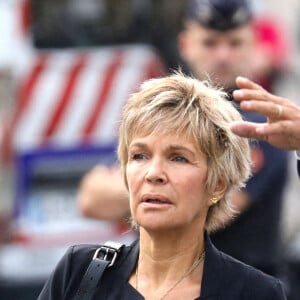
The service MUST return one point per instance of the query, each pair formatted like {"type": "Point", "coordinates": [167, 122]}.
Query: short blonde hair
{"type": "Point", "coordinates": [184, 105]}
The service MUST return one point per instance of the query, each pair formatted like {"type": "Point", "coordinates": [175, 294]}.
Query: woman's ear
{"type": "Point", "coordinates": [221, 188]}
{"type": "Point", "coordinates": [218, 192]}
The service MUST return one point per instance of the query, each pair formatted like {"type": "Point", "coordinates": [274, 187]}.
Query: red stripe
{"type": "Point", "coordinates": [25, 18]}
{"type": "Point", "coordinates": [24, 96]}
{"type": "Point", "coordinates": [26, 89]}
{"type": "Point", "coordinates": [66, 95]}
{"type": "Point", "coordinates": [103, 97]}
{"type": "Point", "coordinates": [153, 69]}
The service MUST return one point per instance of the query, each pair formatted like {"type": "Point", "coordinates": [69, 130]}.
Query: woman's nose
{"type": "Point", "coordinates": [156, 173]}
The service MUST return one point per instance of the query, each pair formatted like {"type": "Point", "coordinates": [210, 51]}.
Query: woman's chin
{"type": "Point", "coordinates": [159, 225]}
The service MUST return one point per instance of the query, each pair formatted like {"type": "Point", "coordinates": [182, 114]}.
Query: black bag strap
{"type": "Point", "coordinates": [104, 257]}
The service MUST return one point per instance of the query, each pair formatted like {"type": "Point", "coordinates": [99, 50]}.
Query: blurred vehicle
{"type": "Point", "coordinates": [71, 70]}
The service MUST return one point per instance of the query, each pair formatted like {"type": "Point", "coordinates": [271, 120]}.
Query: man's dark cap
{"type": "Point", "coordinates": [219, 14]}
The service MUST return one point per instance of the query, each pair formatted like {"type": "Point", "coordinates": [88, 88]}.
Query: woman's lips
{"type": "Point", "coordinates": [151, 199]}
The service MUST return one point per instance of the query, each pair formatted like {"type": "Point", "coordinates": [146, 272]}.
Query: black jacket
{"type": "Point", "coordinates": [224, 278]}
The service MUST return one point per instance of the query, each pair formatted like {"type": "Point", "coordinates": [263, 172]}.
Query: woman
{"type": "Point", "coordinates": [181, 161]}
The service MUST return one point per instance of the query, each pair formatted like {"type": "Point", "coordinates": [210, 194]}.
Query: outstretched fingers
{"type": "Point", "coordinates": [246, 129]}
{"type": "Point", "coordinates": [245, 83]}
{"type": "Point", "coordinates": [279, 134]}
{"type": "Point", "coordinates": [271, 110]}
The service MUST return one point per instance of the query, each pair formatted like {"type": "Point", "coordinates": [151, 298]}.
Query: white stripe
{"type": "Point", "coordinates": [85, 96]}
{"type": "Point", "coordinates": [30, 127]}
{"type": "Point", "coordinates": [127, 80]}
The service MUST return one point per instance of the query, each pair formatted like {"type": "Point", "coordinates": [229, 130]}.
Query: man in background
{"type": "Point", "coordinates": [218, 40]}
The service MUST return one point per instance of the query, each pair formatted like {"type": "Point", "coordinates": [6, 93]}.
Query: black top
{"type": "Point", "coordinates": [224, 278]}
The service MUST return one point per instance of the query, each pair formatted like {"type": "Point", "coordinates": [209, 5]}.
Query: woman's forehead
{"type": "Point", "coordinates": [174, 137]}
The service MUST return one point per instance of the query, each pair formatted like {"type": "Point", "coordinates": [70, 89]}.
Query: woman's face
{"type": "Point", "coordinates": [166, 177]}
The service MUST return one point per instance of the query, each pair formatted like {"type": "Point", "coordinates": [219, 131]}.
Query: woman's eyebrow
{"type": "Point", "coordinates": [175, 147]}
{"type": "Point", "coordinates": [138, 145]}
{"type": "Point", "coordinates": [180, 148]}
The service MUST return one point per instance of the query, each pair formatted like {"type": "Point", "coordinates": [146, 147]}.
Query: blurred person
{"type": "Point", "coordinates": [97, 198]}
{"type": "Point", "coordinates": [218, 40]}
{"type": "Point", "coordinates": [180, 164]}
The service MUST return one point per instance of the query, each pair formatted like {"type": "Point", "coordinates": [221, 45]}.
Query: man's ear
{"type": "Point", "coordinates": [182, 43]}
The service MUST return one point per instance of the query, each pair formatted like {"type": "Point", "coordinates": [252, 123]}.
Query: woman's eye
{"type": "Point", "coordinates": [138, 156]}
{"type": "Point", "coordinates": [180, 159]}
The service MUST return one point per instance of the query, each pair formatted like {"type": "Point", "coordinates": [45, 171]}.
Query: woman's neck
{"type": "Point", "coordinates": [170, 245]}
{"type": "Point", "coordinates": [165, 262]}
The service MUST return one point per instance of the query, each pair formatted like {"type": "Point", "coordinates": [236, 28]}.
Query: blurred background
{"type": "Point", "coordinates": [66, 68]}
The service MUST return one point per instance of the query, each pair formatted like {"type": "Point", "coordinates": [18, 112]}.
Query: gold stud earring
{"type": "Point", "coordinates": [214, 200]}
